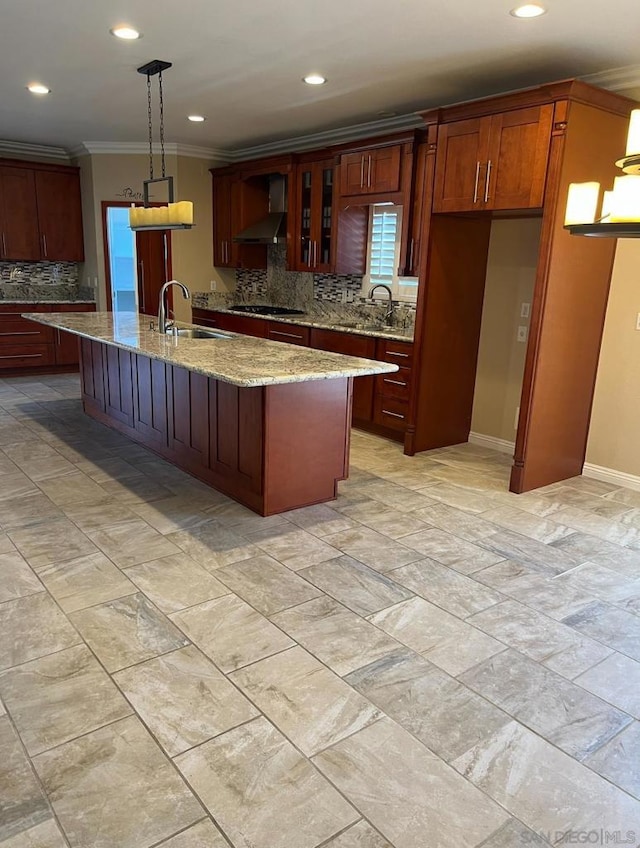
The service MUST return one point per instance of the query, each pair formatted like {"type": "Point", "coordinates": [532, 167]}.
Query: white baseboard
{"type": "Point", "coordinates": [597, 472]}
{"type": "Point", "coordinates": [501, 445]}
{"type": "Point", "coordinates": [610, 475]}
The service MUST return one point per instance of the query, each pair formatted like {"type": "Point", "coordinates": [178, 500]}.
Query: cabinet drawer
{"type": "Point", "coordinates": [400, 353]}
{"type": "Point", "coordinates": [241, 324]}
{"type": "Point", "coordinates": [288, 333]}
{"type": "Point", "coordinates": [349, 344]}
{"type": "Point", "coordinates": [26, 356]}
{"type": "Point", "coordinates": [390, 412]}
{"type": "Point", "coordinates": [394, 385]}
{"type": "Point", "coordinates": [204, 317]}
{"type": "Point", "coordinates": [19, 331]}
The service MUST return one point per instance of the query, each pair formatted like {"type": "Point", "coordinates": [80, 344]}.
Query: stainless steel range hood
{"type": "Point", "coordinates": [273, 228]}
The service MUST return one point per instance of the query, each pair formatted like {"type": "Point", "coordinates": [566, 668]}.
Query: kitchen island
{"type": "Point", "coordinates": [264, 422]}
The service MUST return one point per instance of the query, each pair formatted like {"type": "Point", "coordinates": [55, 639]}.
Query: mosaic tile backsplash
{"type": "Point", "coordinates": [41, 280]}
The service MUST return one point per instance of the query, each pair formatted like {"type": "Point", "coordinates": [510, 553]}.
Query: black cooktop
{"type": "Point", "coordinates": [266, 310]}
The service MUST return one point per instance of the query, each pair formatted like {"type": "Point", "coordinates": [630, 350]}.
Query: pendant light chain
{"type": "Point", "coordinates": [150, 127]}
{"type": "Point", "coordinates": [161, 123]}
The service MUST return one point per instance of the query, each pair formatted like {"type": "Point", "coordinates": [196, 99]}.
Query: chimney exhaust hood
{"type": "Point", "coordinates": [273, 228]}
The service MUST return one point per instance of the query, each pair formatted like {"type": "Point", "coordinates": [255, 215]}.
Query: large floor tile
{"type": "Point", "coordinates": [358, 587]}
{"type": "Point", "coordinates": [115, 787]}
{"type": "Point", "coordinates": [546, 789]}
{"type": "Point", "coordinates": [231, 632]}
{"type": "Point", "coordinates": [448, 549]}
{"type": "Point", "coordinates": [132, 542]}
{"type": "Point", "coordinates": [371, 548]}
{"type": "Point", "coordinates": [183, 699]}
{"type": "Point", "coordinates": [562, 712]}
{"type": "Point", "coordinates": [44, 835]}
{"type": "Point", "coordinates": [71, 489]}
{"type": "Point", "coordinates": [172, 514]}
{"type": "Point", "coordinates": [33, 627]}
{"type": "Point", "coordinates": [51, 541]}
{"type": "Point", "coordinates": [312, 706]}
{"type": "Point", "coordinates": [441, 712]}
{"type": "Point", "coordinates": [27, 509]}
{"type": "Point", "coordinates": [23, 804]}
{"type": "Point", "coordinates": [442, 638]}
{"type": "Point", "coordinates": [85, 581]}
{"type": "Point", "coordinates": [333, 634]}
{"type": "Point", "coordinates": [446, 588]}
{"type": "Point", "coordinates": [56, 698]}
{"type": "Point", "coordinates": [294, 547]}
{"type": "Point", "coordinates": [541, 529]}
{"type": "Point", "coordinates": [406, 791]}
{"type": "Point", "coordinates": [127, 631]}
{"type": "Point", "coordinates": [551, 643]}
{"type": "Point", "coordinates": [619, 760]}
{"type": "Point", "coordinates": [384, 519]}
{"type": "Point", "coordinates": [612, 626]}
{"type": "Point", "coordinates": [176, 582]}
{"type": "Point", "coordinates": [262, 792]}
{"type": "Point", "coordinates": [16, 578]}
{"type": "Point", "coordinates": [320, 519]}
{"type": "Point", "coordinates": [616, 680]}
{"type": "Point", "coordinates": [360, 835]}
{"type": "Point", "coordinates": [202, 835]}
{"type": "Point", "coordinates": [213, 545]}
{"type": "Point", "coordinates": [266, 584]}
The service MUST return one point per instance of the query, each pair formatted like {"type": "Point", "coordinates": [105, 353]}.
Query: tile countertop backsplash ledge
{"type": "Point", "coordinates": [321, 314]}
{"type": "Point", "coordinates": [243, 361]}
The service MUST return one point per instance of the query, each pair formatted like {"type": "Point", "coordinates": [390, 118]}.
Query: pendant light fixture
{"type": "Point", "coordinates": [173, 215]}
{"type": "Point", "coordinates": [620, 210]}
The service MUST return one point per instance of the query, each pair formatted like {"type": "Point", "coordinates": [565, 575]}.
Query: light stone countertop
{"type": "Point", "coordinates": [240, 360]}
{"type": "Point", "coordinates": [304, 320]}
{"type": "Point", "coordinates": [43, 300]}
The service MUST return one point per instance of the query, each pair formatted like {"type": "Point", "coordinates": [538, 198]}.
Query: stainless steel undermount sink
{"type": "Point", "coordinates": [371, 328]}
{"type": "Point", "coordinates": [198, 333]}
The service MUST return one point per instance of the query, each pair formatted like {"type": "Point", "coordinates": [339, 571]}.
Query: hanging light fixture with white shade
{"type": "Point", "coordinates": [173, 215]}
{"type": "Point", "coordinates": [620, 210]}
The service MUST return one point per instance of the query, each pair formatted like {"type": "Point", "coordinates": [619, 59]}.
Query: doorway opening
{"type": "Point", "coordinates": [137, 264]}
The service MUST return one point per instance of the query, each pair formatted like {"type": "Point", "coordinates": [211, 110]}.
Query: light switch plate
{"type": "Point", "coordinates": [522, 333]}
{"type": "Point", "coordinates": [525, 310]}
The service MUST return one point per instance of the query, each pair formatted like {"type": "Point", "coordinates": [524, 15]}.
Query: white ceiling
{"type": "Point", "coordinates": [240, 62]}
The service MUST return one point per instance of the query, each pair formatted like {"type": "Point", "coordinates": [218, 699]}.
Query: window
{"type": "Point", "coordinates": [383, 256]}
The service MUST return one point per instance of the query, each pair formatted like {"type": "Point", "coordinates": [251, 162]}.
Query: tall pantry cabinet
{"type": "Point", "coordinates": [510, 156]}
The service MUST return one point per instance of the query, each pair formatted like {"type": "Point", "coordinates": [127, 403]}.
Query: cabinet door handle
{"type": "Point", "coordinates": [392, 414]}
{"type": "Point", "coordinates": [475, 187]}
{"type": "Point", "coordinates": [362, 171]}
{"type": "Point", "coordinates": [369, 174]}
{"type": "Point", "coordinates": [486, 186]}
{"type": "Point", "coordinates": [395, 353]}
{"type": "Point", "coordinates": [394, 382]}
{"type": "Point", "coordinates": [141, 283]}
{"type": "Point", "coordinates": [25, 333]}
{"type": "Point", "coordinates": [44, 244]}
{"type": "Point", "coordinates": [315, 254]}
{"type": "Point", "coordinates": [22, 356]}
{"type": "Point", "coordinates": [4, 246]}
{"type": "Point", "coordinates": [288, 335]}
{"type": "Point", "coordinates": [410, 266]}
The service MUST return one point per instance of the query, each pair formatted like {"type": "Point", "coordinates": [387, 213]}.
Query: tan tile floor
{"type": "Point", "coordinates": [428, 662]}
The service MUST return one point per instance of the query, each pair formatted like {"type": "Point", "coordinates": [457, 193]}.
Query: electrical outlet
{"type": "Point", "coordinates": [213, 285]}
{"type": "Point", "coordinates": [522, 333]}
{"type": "Point", "coordinates": [525, 310]}
{"type": "Point", "coordinates": [344, 294]}
{"type": "Point", "coordinates": [638, 321]}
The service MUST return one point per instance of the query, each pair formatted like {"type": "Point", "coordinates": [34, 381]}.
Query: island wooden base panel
{"type": "Point", "coordinates": [271, 448]}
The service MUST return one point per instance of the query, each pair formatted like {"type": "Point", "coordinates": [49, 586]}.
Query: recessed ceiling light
{"type": "Point", "coordinates": [126, 32]}
{"type": "Point", "coordinates": [197, 119]}
{"type": "Point", "coordinates": [38, 88]}
{"type": "Point", "coordinates": [529, 10]}
{"type": "Point", "coordinates": [314, 79]}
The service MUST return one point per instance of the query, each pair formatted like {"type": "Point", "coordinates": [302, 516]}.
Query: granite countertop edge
{"type": "Point", "coordinates": [401, 336]}
{"type": "Point", "coordinates": [41, 301]}
{"type": "Point", "coordinates": [229, 360]}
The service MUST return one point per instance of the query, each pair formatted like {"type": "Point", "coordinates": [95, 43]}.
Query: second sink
{"type": "Point", "coordinates": [198, 333]}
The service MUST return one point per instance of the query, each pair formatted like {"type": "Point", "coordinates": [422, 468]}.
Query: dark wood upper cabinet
{"type": "Point", "coordinates": [237, 203]}
{"type": "Point", "coordinates": [40, 213]}
{"type": "Point", "coordinates": [19, 239]}
{"type": "Point", "coordinates": [373, 171]}
{"type": "Point", "coordinates": [495, 162]}
{"type": "Point", "coordinates": [314, 217]}
{"type": "Point", "coordinates": [59, 216]}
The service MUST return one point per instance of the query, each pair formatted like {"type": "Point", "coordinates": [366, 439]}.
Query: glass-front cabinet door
{"type": "Point", "coordinates": [315, 217]}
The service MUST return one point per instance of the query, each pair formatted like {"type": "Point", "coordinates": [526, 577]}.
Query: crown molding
{"type": "Point", "coordinates": [20, 149]}
{"type": "Point", "coordinates": [617, 79]}
{"type": "Point", "coordinates": [129, 148]}
{"type": "Point", "coordinates": [326, 138]}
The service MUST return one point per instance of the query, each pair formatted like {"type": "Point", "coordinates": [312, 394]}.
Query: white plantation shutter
{"type": "Point", "coordinates": [382, 263]}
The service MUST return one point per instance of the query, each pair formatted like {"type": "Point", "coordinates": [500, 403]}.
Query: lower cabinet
{"type": "Point", "coordinates": [92, 375]}
{"type": "Point", "coordinates": [380, 404]}
{"type": "Point", "coordinates": [27, 345]}
{"type": "Point", "coordinates": [150, 399]}
{"type": "Point", "coordinates": [188, 413]}
{"type": "Point", "coordinates": [118, 384]}
{"type": "Point", "coordinates": [235, 453]}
